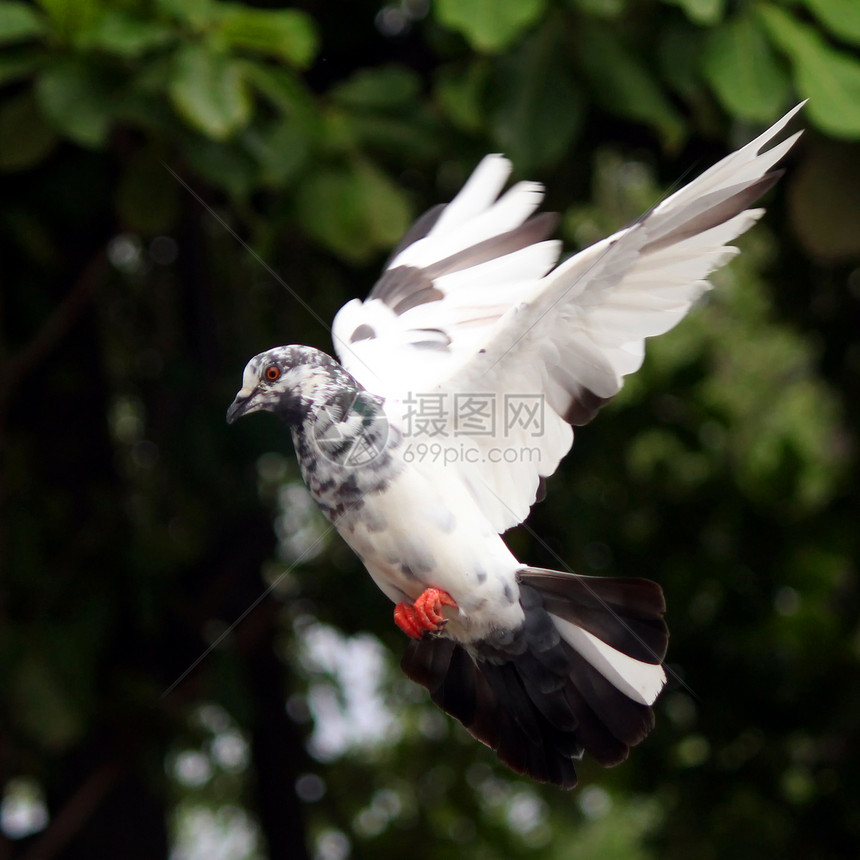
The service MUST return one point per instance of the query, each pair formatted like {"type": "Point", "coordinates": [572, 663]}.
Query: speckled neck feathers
{"type": "Point", "coordinates": [342, 439]}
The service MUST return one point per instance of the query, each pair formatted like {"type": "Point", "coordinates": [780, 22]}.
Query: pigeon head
{"type": "Point", "coordinates": [293, 382]}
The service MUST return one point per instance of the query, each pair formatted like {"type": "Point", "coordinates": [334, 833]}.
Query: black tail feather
{"type": "Point", "coordinates": [536, 701]}
{"type": "Point", "coordinates": [596, 603]}
{"type": "Point", "coordinates": [623, 718]}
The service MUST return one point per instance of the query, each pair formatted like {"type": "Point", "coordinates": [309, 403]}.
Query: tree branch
{"type": "Point", "coordinates": [80, 806]}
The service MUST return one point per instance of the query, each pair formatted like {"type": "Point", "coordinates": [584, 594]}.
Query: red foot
{"type": "Point", "coordinates": [425, 615]}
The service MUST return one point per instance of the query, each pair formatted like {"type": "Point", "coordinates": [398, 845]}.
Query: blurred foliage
{"type": "Point", "coordinates": [188, 182]}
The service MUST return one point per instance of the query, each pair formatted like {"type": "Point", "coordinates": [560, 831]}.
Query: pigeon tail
{"type": "Point", "coordinates": [580, 675]}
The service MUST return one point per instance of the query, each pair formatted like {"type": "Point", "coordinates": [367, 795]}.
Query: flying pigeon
{"type": "Point", "coordinates": [459, 380]}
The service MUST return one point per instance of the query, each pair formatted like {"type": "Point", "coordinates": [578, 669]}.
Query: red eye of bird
{"type": "Point", "coordinates": [272, 372]}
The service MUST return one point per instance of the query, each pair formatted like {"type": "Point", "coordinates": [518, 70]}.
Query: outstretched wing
{"type": "Point", "coordinates": [457, 271]}
{"type": "Point", "coordinates": [568, 337]}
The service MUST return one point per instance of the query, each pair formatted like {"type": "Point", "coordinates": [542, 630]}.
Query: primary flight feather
{"type": "Point", "coordinates": [459, 380]}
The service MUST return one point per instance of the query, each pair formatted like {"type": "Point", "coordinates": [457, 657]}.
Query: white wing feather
{"type": "Point", "coordinates": [476, 290]}
{"type": "Point", "coordinates": [509, 326]}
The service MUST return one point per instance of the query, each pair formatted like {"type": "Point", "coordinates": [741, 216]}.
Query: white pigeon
{"type": "Point", "coordinates": [459, 379]}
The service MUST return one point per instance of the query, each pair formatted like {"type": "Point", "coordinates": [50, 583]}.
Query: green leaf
{"type": "Point", "coordinates": [461, 93]}
{"type": "Point", "coordinates": [77, 101]}
{"type": "Point", "coordinates": [623, 84]}
{"type": "Point", "coordinates": [298, 128]}
{"type": "Point", "coordinates": [196, 13]}
{"type": "Point", "coordinates": [226, 167]}
{"type": "Point", "coordinates": [607, 9]}
{"type": "Point", "coordinates": [19, 22]}
{"type": "Point", "coordinates": [124, 35]}
{"type": "Point", "coordinates": [18, 63]}
{"type": "Point", "coordinates": [407, 139]}
{"type": "Point", "coordinates": [744, 71]}
{"type": "Point", "coordinates": [147, 196]}
{"type": "Point", "coordinates": [209, 92]}
{"type": "Point", "coordinates": [25, 137]}
{"type": "Point", "coordinates": [538, 108]}
{"type": "Point", "coordinates": [489, 25]}
{"type": "Point", "coordinates": [281, 148]}
{"type": "Point", "coordinates": [830, 79]}
{"type": "Point", "coordinates": [380, 110]}
{"type": "Point", "coordinates": [386, 88]}
{"type": "Point", "coordinates": [354, 210]}
{"type": "Point", "coordinates": [841, 17]}
{"type": "Point", "coordinates": [283, 89]}
{"type": "Point", "coordinates": [704, 12]}
{"type": "Point", "coordinates": [288, 34]}
{"type": "Point", "coordinates": [69, 17]}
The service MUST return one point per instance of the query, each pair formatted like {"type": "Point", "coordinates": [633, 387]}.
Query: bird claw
{"type": "Point", "coordinates": [425, 615]}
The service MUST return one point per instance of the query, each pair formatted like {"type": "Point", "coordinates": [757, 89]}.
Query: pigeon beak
{"type": "Point", "coordinates": [240, 406]}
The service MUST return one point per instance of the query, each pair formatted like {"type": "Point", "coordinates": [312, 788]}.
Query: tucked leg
{"type": "Point", "coordinates": [406, 618]}
{"type": "Point", "coordinates": [426, 613]}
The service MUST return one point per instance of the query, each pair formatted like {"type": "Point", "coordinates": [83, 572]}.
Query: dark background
{"type": "Point", "coordinates": [145, 147]}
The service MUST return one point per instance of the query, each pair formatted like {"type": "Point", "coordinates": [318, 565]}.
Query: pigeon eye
{"type": "Point", "coordinates": [272, 372]}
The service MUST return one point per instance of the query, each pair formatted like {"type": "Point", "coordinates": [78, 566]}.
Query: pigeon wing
{"type": "Point", "coordinates": [472, 310]}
